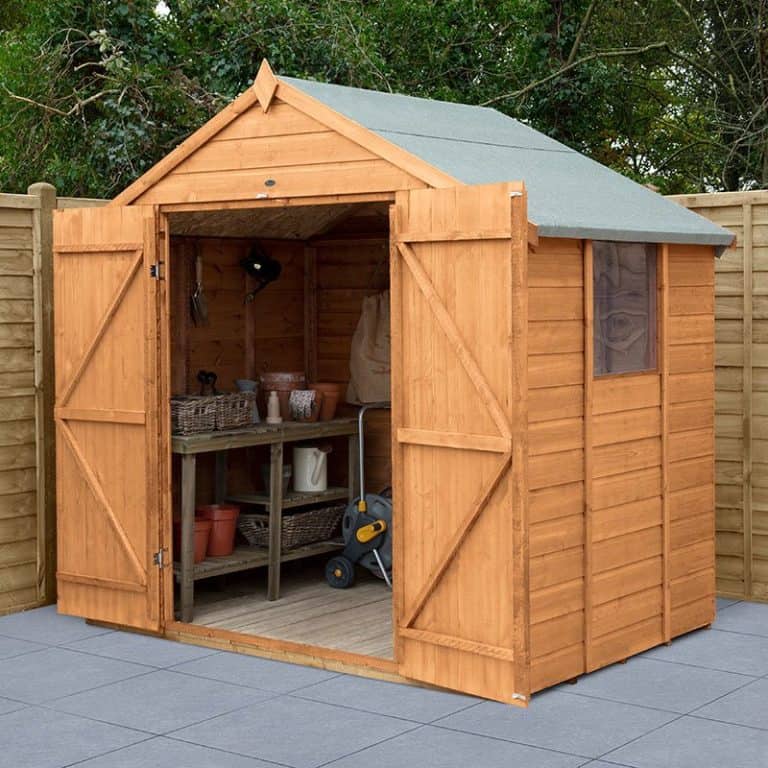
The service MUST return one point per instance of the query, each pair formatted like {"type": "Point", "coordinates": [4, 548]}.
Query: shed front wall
{"type": "Point", "coordinates": [280, 153]}
{"type": "Point", "coordinates": [621, 469]}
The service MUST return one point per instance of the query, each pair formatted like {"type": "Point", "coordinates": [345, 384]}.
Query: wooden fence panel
{"type": "Point", "coordinates": [27, 461]}
{"type": "Point", "coordinates": [741, 382]}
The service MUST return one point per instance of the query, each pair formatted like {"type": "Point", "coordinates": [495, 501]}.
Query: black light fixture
{"type": "Point", "coordinates": [262, 268]}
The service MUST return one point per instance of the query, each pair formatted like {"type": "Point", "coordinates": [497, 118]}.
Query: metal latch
{"type": "Point", "coordinates": [158, 558]}
{"type": "Point", "coordinates": [155, 270]}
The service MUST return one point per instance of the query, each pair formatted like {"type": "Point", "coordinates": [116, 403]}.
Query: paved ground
{"type": "Point", "coordinates": [72, 694]}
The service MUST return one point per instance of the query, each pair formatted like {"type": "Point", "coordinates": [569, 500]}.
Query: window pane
{"type": "Point", "coordinates": [625, 307]}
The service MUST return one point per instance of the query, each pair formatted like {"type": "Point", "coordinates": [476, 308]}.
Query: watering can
{"type": "Point", "coordinates": [310, 468]}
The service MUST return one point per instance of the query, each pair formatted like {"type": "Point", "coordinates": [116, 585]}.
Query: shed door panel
{"type": "Point", "coordinates": [107, 514]}
{"type": "Point", "coordinates": [455, 381]}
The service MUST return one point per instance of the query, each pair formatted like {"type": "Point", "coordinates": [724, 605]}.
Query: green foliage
{"type": "Point", "coordinates": [93, 92]}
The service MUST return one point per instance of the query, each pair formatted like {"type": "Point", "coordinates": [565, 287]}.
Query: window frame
{"type": "Point", "coordinates": [657, 294]}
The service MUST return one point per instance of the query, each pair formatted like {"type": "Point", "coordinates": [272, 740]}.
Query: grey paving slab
{"type": "Point", "coordinates": [711, 648]}
{"type": "Point", "coordinates": [42, 738]}
{"type": "Point", "coordinates": [295, 732]}
{"type": "Point", "coordinates": [265, 674]}
{"type": "Point", "coordinates": [141, 649]}
{"type": "Point", "coordinates": [751, 618]}
{"type": "Point", "coordinates": [408, 701]}
{"type": "Point", "coordinates": [11, 646]}
{"type": "Point", "coordinates": [693, 743]}
{"type": "Point", "coordinates": [659, 684]}
{"type": "Point", "coordinates": [724, 602]}
{"type": "Point", "coordinates": [56, 672]}
{"type": "Point", "coordinates": [159, 752]}
{"type": "Point", "coordinates": [44, 625]}
{"type": "Point", "coordinates": [160, 701]}
{"type": "Point", "coordinates": [747, 706]}
{"type": "Point", "coordinates": [577, 725]}
{"type": "Point", "coordinates": [430, 747]}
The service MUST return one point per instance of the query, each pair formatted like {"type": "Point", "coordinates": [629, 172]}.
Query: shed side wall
{"type": "Point", "coordinates": [299, 155]}
{"type": "Point", "coordinates": [556, 460]}
{"type": "Point", "coordinates": [691, 470]}
{"type": "Point", "coordinates": [627, 517]}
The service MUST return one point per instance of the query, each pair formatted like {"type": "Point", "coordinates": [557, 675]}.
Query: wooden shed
{"type": "Point", "coordinates": [550, 448]}
{"type": "Point", "coordinates": [741, 391]}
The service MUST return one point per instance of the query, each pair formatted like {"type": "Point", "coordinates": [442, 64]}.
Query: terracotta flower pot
{"type": "Point", "coordinates": [331, 392]}
{"type": "Point", "coordinates": [223, 520]}
{"type": "Point", "coordinates": [202, 534]}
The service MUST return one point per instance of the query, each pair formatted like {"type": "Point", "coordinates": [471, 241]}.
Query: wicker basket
{"type": "Point", "coordinates": [299, 528]}
{"type": "Point", "coordinates": [193, 414]}
{"type": "Point", "coordinates": [206, 413]}
{"type": "Point", "coordinates": [234, 410]}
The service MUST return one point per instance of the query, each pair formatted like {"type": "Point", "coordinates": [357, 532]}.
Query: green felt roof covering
{"type": "Point", "coordinates": [569, 195]}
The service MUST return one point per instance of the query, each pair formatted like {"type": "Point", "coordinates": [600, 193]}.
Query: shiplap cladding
{"type": "Point", "coordinates": [741, 379]}
{"type": "Point", "coordinates": [27, 496]}
{"type": "Point", "coordinates": [18, 497]}
{"type": "Point", "coordinates": [556, 460]}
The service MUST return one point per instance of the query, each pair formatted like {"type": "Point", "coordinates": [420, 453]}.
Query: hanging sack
{"type": "Point", "coordinates": [369, 360]}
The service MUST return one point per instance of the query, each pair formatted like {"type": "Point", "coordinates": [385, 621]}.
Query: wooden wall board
{"type": "Point", "coordinates": [556, 424]}
{"type": "Point", "coordinates": [690, 467]}
{"type": "Point", "coordinates": [295, 154]}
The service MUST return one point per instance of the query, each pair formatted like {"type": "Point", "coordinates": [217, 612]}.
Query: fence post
{"type": "Point", "coordinates": [42, 265]}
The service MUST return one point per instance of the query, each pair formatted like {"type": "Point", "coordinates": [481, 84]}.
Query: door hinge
{"type": "Point", "coordinates": [158, 558]}
{"type": "Point", "coordinates": [156, 270]}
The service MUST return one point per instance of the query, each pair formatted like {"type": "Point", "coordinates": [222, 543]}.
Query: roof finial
{"type": "Point", "coordinates": [265, 85]}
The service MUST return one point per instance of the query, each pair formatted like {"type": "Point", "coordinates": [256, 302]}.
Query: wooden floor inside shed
{"type": "Point", "coordinates": [357, 620]}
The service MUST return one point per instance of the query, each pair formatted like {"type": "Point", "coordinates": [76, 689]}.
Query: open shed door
{"type": "Point", "coordinates": [106, 415]}
{"type": "Point", "coordinates": [459, 314]}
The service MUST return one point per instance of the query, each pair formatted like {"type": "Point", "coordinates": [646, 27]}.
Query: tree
{"type": "Point", "coordinates": [668, 91]}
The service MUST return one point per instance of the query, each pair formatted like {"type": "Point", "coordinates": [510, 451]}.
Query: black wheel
{"type": "Point", "coordinates": [340, 572]}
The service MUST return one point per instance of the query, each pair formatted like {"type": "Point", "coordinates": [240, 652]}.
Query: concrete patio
{"type": "Point", "coordinates": [74, 694]}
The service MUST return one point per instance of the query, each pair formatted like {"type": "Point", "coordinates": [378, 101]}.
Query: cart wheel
{"type": "Point", "coordinates": [340, 572]}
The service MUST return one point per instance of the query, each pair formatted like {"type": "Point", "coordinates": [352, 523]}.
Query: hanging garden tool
{"type": "Point", "coordinates": [198, 302]}
{"type": "Point", "coordinates": [262, 268]}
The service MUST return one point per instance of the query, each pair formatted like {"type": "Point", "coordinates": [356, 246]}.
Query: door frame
{"type": "Point", "coordinates": [269, 647]}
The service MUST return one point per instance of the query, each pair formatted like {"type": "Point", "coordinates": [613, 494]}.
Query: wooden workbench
{"type": "Point", "coordinates": [220, 443]}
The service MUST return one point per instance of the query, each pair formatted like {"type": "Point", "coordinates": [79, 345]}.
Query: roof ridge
{"type": "Point", "coordinates": [564, 150]}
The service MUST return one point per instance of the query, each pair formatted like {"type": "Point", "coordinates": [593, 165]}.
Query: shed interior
{"type": "Point", "coordinates": [331, 257]}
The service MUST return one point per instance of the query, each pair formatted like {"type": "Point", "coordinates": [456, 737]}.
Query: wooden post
{"type": "Point", "coordinates": [746, 480]}
{"type": "Point", "coordinates": [310, 313]}
{"type": "Point", "coordinates": [42, 266]}
{"type": "Point", "coordinates": [275, 520]}
{"type": "Point", "coordinates": [186, 580]}
{"type": "Point", "coordinates": [589, 374]}
{"type": "Point", "coordinates": [221, 476]}
{"type": "Point", "coordinates": [518, 417]}
{"type": "Point", "coordinates": [663, 352]}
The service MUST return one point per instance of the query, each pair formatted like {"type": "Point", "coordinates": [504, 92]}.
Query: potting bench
{"type": "Point", "coordinates": [243, 558]}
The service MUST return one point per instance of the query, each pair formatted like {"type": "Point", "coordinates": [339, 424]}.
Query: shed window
{"type": "Point", "coordinates": [624, 277]}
